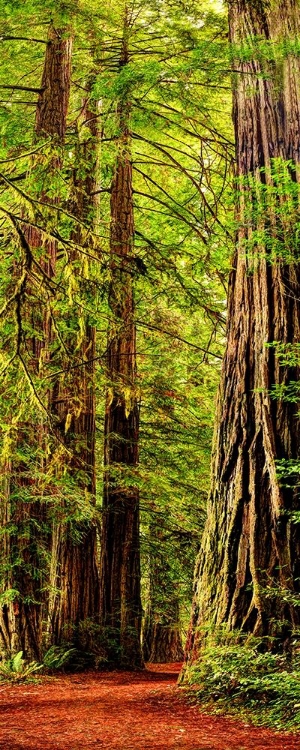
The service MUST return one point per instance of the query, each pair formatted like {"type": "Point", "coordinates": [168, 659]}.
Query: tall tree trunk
{"type": "Point", "coordinates": [250, 550]}
{"type": "Point", "coordinates": [120, 602]}
{"type": "Point", "coordinates": [23, 516]}
{"type": "Point", "coordinates": [74, 568]}
{"type": "Point", "coordinates": [161, 630]}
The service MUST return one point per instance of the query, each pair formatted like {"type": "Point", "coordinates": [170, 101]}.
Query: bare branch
{"type": "Point", "coordinates": [7, 38]}
{"type": "Point", "coordinates": [20, 88]}
{"type": "Point", "coordinates": [178, 338]}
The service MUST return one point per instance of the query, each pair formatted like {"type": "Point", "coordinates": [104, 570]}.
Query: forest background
{"type": "Point", "coordinates": [118, 227]}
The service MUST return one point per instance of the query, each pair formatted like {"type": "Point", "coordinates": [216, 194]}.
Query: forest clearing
{"type": "Point", "coordinates": [149, 374]}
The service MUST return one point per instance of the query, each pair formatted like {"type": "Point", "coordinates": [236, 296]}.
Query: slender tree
{"type": "Point", "coordinates": [247, 572]}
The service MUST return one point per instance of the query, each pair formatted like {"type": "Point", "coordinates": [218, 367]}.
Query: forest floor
{"type": "Point", "coordinates": [121, 711]}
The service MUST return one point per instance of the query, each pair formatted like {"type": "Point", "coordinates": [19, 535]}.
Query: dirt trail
{"type": "Point", "coordinates": [121, 711]}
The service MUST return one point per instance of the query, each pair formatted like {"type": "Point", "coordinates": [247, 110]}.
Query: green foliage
{"type": "Point", "coordinates": [270, 220]}
{"type": "Point", "coordinates": [87, 645]}
{"type": "Point", "coordinates": [16, 669]}
{"type": "Point", "coordinates": [264, 51]}
{"type": "Point", "coordinates": [176, 432]}
{"type": "Point", "coordinates": [238, 674]}
{"type": "Point", "coordinates": [9, 595]}
{"type": "Point", "coordinates": [58, 657]}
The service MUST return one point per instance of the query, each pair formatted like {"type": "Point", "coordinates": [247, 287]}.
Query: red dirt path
{"type": "Point", "coordinates": [121, 711]}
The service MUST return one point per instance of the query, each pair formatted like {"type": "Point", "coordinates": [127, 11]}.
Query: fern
{"type": "Point", "coordinates": [17, 670]}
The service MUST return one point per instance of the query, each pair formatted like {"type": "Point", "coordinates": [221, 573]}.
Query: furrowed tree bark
{"type": "Point", "coordinates": [74, 578]}
{"type": "Point", "coordinates": [247, 573]}
{"type": "Point", "coordinates": [23, 514]}
{"type": "Point", "coordinates": [161, 630]}
{"type": "Point", "coordinates": [120, 601]}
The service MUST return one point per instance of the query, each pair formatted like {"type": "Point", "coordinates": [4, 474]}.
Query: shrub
{"type": "Point", "coordinates": [241, 675]}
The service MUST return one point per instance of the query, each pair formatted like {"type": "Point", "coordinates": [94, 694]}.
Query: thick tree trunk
{"type": "Point", "coordinates": [248, 568]}
{"type": "Point", "coordinates": [23, 559]}
{"type": "Point", "coordinates": [120, 602]}
{"type": "Point", "coordinates": [74, 578]}
{"type": "Point", "coordinates": [161, 629]}
{"type": "Point", "coordinates": [162, 640]}
{"type": "Point", "coordinates": [74, 568]}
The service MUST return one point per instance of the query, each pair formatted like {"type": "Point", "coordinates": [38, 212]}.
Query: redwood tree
{"type": "Point", "coordinates": [74, 580]}
{"type": "Point", "coordinates": [247, 573]}
{"type": "Point", "coordinates": [120, 602]}
{"type": "Point", "coordinates": [161, 629]}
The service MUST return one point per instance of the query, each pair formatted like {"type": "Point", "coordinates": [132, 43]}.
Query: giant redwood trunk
{"type": "Point", "coordinates": [248, 569]}
{"type": "Point", "coordinates": [120, 604]}
{"type": "Point", "coordinates": [161, 629]}
{"type": "Point", "coordinates": [74, 567]}
{"type": "Point", "coordinates": [23, 515]}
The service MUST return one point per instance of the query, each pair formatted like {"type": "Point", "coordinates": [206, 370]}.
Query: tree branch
{"type": "Point", "coordinates": [7, 38]}
{"type": "Point", "coordinates": [21, 88]}
{"type": "Point", "coordinates": [178, 338]}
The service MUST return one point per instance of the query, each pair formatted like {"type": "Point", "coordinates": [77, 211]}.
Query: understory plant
{"type": "Point", "coordinates": [239, 674]}
{"type": "Point", "coordinates": [87, 645]}
{"type": "Point", "coordinates": [16, 669]}
{"type": "Point", "coordinates": [58, 657]}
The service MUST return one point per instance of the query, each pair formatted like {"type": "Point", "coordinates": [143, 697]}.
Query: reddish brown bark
{"type": "Point", "coordinates": [248, 569]}
{"type": "Point", "coordinates": [120, 603]}
{"type": "Point", "coordinates": [161, 628]}
{"type": "Point", "coordinates": [74, 574]}
{"type": "Point", "coordinates": [161, 635]}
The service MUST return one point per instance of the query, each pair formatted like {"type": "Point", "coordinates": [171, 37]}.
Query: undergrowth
{"type": "Point", "coordinates": [16, 669]}
{"type": "Point", "coordinates": [245, 678]}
